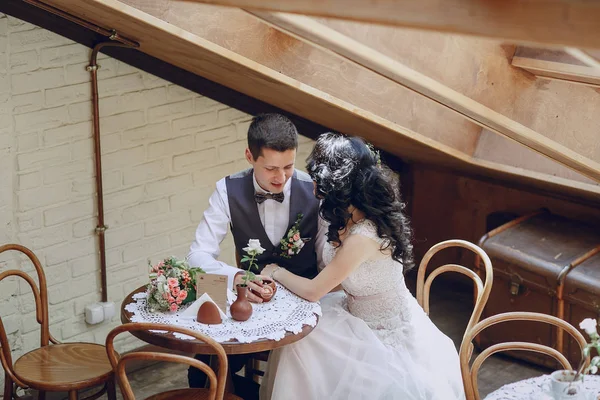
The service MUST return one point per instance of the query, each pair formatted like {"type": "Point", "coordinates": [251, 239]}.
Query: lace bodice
{"type": "Point", "coordinates": [376, 290]}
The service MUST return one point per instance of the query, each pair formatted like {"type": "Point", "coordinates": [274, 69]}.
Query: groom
{"type": "Point", "coordinates": [263, 203]}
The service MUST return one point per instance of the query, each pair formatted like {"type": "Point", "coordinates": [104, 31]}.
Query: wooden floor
{"type": "Point", "coordinates": [450, 311]}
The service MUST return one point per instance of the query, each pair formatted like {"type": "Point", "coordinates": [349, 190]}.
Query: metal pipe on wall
{"type": "Point", "coordinates": [101, 228]}
{"type": "Point", "coordinates": [115, 41]}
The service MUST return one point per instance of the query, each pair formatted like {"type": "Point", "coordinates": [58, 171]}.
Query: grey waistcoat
{"type": "Point", "coordinates": [246, 224]}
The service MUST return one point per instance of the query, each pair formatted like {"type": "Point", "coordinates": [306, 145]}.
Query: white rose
{"type": "Point", "coordinates": [254, 247]}
{"type": "Point", "coordinates": [589, 326]}
{"type": "Point", "coordinates": [593, 369]}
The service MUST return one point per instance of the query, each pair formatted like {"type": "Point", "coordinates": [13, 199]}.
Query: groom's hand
{"type": "Point", "coordinates": [254, 286]}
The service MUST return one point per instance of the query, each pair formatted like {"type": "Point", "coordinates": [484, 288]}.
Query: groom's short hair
{"type": "Point", "coordinates": [271, 131]}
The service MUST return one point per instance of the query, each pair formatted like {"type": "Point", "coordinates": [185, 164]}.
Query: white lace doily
{"type": "Point", "coordinates": [535, 389]}
{"type": "Point", "coordinates": [286, 312]}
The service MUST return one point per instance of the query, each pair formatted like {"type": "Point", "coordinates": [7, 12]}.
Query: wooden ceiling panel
{"type": "Point", "coordinates": [245, 35]}
{"type": "Point", "coordinates": [495, 148]}
{"type": "Point", "coordinates": [556, 64]}
{"type": "Point", "coordinates": [193, 53]}
{"type": "Point", "coordinates": [231, 29]}
{"type": "Point", "coordinates": [560, 23]}
{"type": "Point", "coordinates": [481, 69]}
{"type": "Point", "coordinates": [204, 58]}
{"type": "Point", "coordinates": [312, 31]}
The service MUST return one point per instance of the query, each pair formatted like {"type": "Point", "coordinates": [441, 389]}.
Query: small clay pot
{"type": "Point", "coordinates": [241, 309]}
{"type": "Point", "coordinates": [269, 285]}
{"type": "Point", "coordinates": [271, 289]}
{"type": "Point", "coordinates": [209, 314]}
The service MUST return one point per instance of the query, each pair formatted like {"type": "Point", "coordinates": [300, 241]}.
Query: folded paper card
{"type": "Point", "coordinates": [192, 311]}
{"type": "Point", "coordinates": [215, 286]}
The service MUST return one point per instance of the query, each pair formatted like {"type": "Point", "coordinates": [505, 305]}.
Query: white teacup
{"type": "Point", "coordinates": [562, 386]}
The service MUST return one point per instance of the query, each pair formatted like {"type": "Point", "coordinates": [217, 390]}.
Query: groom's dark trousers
{"type": "Point", "coordinates": [245, 388]}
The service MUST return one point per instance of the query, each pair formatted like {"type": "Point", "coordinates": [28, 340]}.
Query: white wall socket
{"type": "Point", "coordinates": [109, 310]}
{"type": "Point", "coordinates": [94, 313]}
{"type": "Point", "coordinates": [98, 312]}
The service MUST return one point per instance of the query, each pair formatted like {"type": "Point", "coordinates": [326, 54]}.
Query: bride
{"type": "Point", "coordinates": [373, 340]}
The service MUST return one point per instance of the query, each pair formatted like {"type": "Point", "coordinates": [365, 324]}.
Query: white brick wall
{"type": "Point", "coordinates": [163, 147]}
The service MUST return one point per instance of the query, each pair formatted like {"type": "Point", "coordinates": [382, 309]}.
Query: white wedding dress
{"type": "Point", "coordinates": [372, 342]}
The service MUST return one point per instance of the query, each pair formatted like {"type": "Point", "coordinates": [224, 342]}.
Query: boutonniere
{"type": "Point", "coordinates": [292, 243]}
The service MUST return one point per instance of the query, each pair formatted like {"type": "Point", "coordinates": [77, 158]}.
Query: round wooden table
{"type": "Point", "coordinates": [168, 340]}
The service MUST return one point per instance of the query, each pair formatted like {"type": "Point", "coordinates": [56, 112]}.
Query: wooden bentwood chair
{"type": "Point", "coordinates": [217, 381]}
{"type": "Point", "coordinates": [482, 289]}
{"type": "Point", "coordinates": [54, 367]}
{"type": "Point", "coordinates": [469, 372]}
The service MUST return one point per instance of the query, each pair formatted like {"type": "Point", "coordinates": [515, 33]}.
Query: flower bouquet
{"type": "Point", "coordinates": [172, 284]}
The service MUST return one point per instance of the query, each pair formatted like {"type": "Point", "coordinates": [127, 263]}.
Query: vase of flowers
{"type": "Point", "coordinates": [241, 309]}
{"type": "Point", "coordinates": [589, 326]}
{"type": "Point", "coordinates": [568, 383]}
{"type": "Point", "coordinates": [172, 284]}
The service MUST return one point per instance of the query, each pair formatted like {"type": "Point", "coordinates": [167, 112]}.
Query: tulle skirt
{"type": "Point", "coordinates": [343, 358]}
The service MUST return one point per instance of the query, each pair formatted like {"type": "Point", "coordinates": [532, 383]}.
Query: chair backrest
{"type": "Point", "coordinates": [470, 372]}
{"type": "Point", "coordinates": [482, 289]}
{"type": "Point", "coordinates": [217, 381]}
{"type": "Point", "coordinates": [41, 306]}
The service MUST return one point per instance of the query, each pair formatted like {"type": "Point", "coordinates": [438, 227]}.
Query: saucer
{"type": "Point", "coordinates": [547, 395]}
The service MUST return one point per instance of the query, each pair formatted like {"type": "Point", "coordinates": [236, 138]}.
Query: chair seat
{"type": "Point", "coordinates": [67, 366]}
{"type": "Point", "coordinates": [189, 394]}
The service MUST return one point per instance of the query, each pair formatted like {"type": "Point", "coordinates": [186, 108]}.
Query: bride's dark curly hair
{"type": "Point", "coordinates": [347, 172]}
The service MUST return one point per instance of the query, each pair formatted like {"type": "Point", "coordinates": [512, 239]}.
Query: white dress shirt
{"type": "Point", "coordinates": [214, 226]}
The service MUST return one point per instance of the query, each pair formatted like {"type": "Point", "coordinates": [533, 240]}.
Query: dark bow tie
{"type": "Point", "coordinates": [261, 197]}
